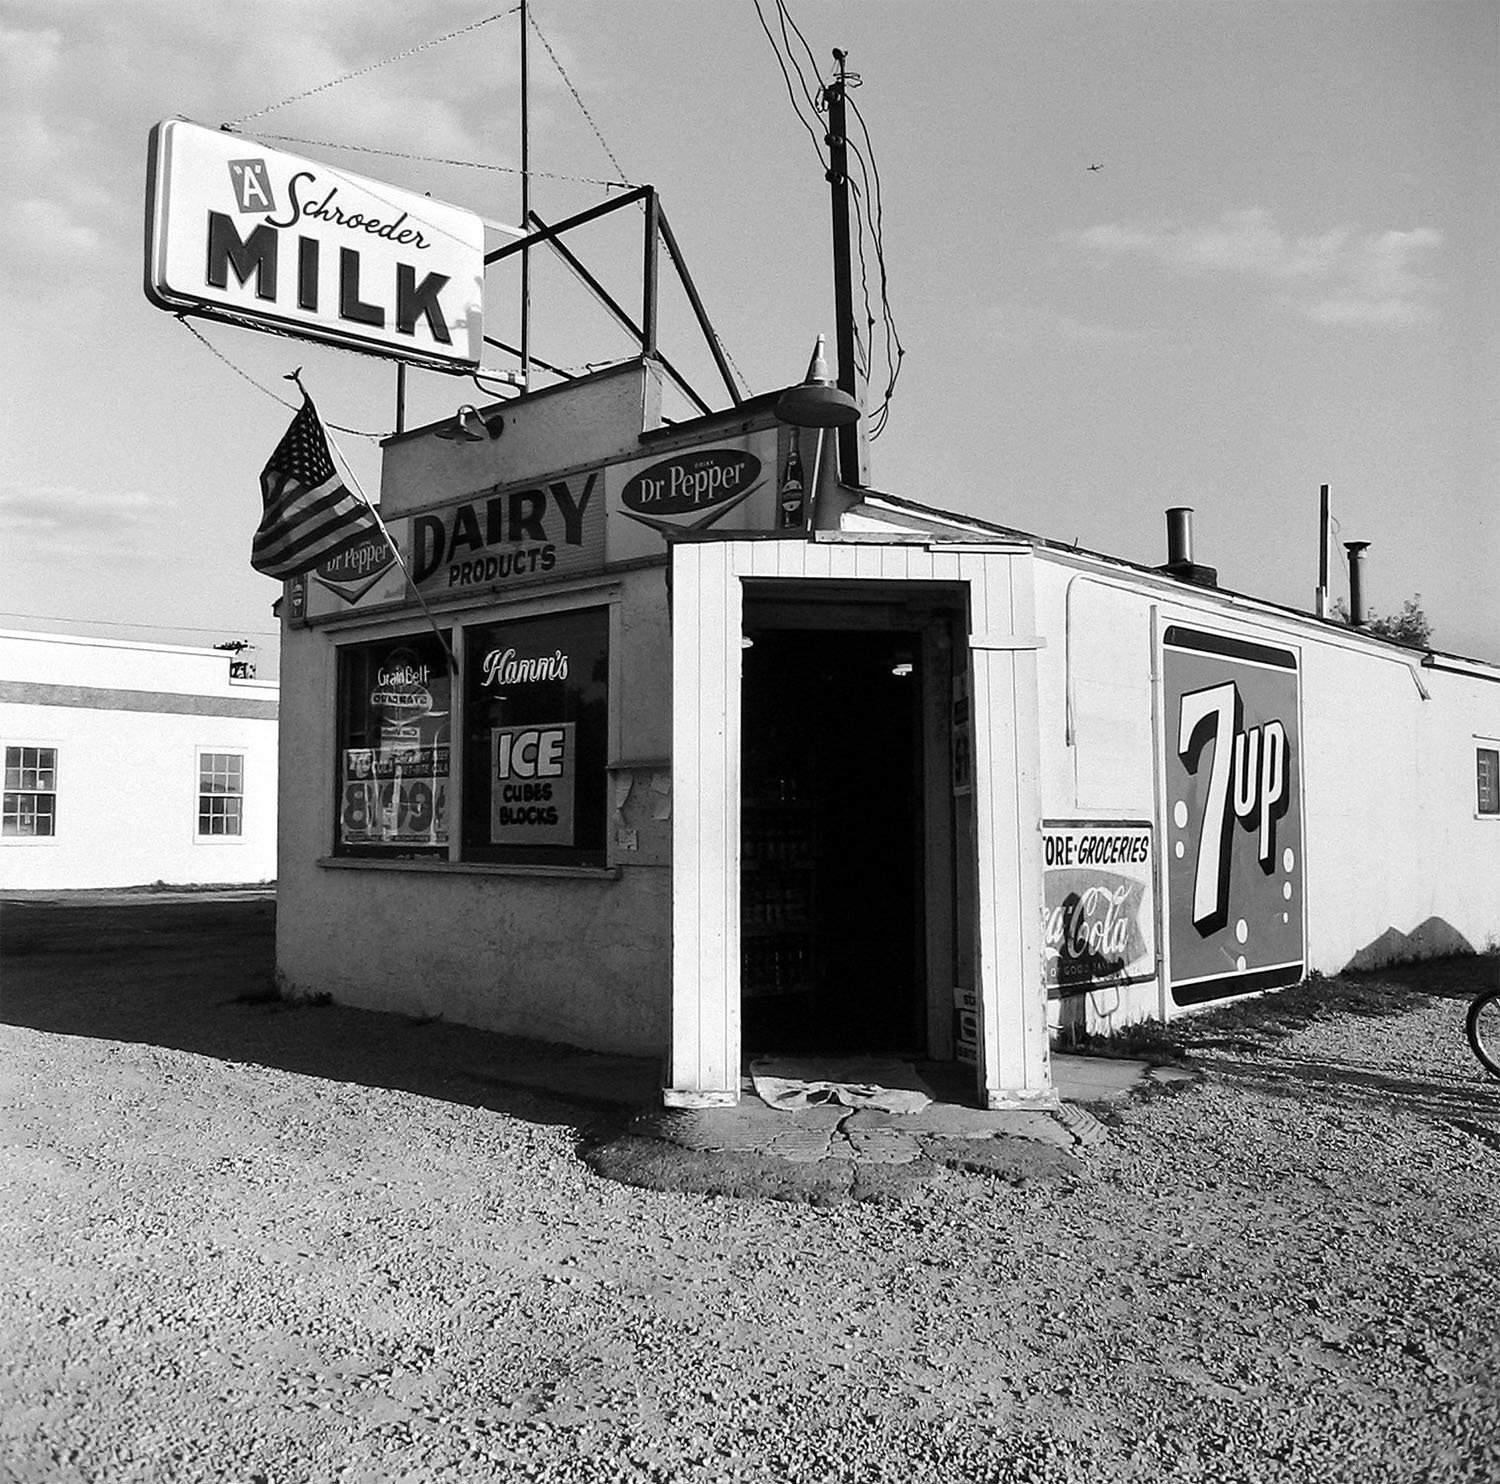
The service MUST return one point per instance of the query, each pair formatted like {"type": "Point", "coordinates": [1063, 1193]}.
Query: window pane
{"type": "Point", "coordinates": [29, 814]}
{"type": "Point", "coordinates": [536, 743]}
{"type": "Point", "coordinates": [394, 721]}
{"type": "Point", "coordinates": [1488, 778]}
{"type": "Point", "coordinates": [220, 784]}
{"type": "Point", "coordinates": [220, 772]}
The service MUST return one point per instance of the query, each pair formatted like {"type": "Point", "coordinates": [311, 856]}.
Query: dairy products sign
{"type": "Point", "coordinates": [1232, 789]}
{"type": "Point", "coordinates": [494, 541]}
{"type": "Point", "coordinates": [1098, 914]}
{"type": "Point", "coordinates": [240, 232]}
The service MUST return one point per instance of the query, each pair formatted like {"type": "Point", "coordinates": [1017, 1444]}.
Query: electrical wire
{"type": "Point", "coordinates": [110, 623]}
{"type": "Point", "coordinates": [790, 91]}
{"type": "Point", "coordinates": [869, 206]}
{"type": "Point", "coordinates": [815, 101]}
{"type": "Point", "coordinates": [234, 126]}
{"type": "Point", "coordinates": [410, 51]}
{"type": "Point", "coordinates": [582, 108]}
{"type": "Point", "coordinates": [895, 351]}
{"type": "Point", "coordinates": [213, 350]}
{"type": "Point", "coordinates": [396, 154]}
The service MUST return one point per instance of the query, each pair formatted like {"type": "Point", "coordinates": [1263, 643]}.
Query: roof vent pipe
{"type": "Point", "coordinates": [1356, 550]}
{"type": "Point", "coordinates": [1180, 563]}
{"type": "Point", "coordinates": [1180, 535]}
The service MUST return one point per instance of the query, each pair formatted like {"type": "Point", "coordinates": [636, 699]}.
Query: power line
{"type": "Point", "coordinates": [410, 51]}
{"type": "Point", "coordinates": [174, 628]}
{"type": "Point", "coordinates": [213, 350]}
{"type": "Point", "coordinates": [568, 81]}
{"type": "Point", "coordinates": [814, 100]}
{"type": "Point", "coordinates": [397, 154]}
{"type": "Point", "coordinates": [894, 350]}
{"type": "Point", "coordinates": [790, 91]}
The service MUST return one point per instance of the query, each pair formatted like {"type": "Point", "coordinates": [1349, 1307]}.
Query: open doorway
{"type": "Point", "coordinates": [833, 903]}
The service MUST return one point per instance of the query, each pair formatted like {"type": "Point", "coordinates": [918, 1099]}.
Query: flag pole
{"type": "Point", "coordinates": [364, 499]}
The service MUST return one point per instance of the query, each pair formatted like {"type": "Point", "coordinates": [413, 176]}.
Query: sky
{"type": "Point", "coordinates": [1284, 275]}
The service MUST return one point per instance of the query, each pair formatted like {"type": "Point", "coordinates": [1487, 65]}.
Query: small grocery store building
{"type": "Point", "coordinates": [130, 763]}
{"type": "Point", "coordinates": [692, 750]}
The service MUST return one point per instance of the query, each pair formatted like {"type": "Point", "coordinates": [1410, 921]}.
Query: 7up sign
{"type": "Point", "coordinates": [1235, 873]}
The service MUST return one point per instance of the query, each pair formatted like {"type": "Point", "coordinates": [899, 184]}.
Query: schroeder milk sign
{"type": "Point", "coordinates": [240, 232]}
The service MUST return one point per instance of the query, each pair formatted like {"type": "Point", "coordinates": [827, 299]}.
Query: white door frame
{"type": "Point", "coordinates": [703, 1068]}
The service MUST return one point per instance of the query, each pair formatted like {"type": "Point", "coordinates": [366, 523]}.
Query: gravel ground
{"type": "Point", "coordinates": [219, 1270]}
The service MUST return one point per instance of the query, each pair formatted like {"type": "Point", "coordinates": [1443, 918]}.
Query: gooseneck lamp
{"type": "Point", "coordinates": [816, 403]}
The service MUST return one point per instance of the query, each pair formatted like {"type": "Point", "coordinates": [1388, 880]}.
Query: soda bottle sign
{"type": "Point", "coordinates": [793, 493]}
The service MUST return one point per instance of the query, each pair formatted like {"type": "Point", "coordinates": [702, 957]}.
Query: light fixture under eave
{"type": "Point", "coordinates": [817, 402]}
{"type": "Point", "coordinates": [469, 426]}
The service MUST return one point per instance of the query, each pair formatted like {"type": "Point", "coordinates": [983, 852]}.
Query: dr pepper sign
{"type": "Point", "coordinates": [240, 232]}
{"type": "Point", "coordinates": [1235, 871]}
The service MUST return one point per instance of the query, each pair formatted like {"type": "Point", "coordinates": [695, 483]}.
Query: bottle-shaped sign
{"type": "Point", "coordinates": [793, 494]}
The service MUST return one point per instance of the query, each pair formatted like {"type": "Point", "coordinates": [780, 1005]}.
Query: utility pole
{"type": "Point", "coordinates": [525, 197]}
{"type": "Point", "coordinates": [852, 444]}
{"type": "Point", "coordinates": [1322, 595]}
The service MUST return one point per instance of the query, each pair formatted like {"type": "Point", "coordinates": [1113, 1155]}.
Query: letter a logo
{"type": "Point", "coordinates": [252, 185]}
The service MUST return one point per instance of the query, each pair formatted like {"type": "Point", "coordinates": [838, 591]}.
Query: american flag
{"type": "Point", "coordinates": [308, 512]}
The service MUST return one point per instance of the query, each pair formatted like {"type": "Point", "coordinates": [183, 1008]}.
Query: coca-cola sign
{"type": "Point", "coordinates": [1097, 915]}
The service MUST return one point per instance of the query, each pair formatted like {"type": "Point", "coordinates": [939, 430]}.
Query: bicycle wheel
{"type": "Point", "coordinates": [1483, 1026]}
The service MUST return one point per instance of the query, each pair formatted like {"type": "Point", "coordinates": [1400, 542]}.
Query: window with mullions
{"type": "Point", "coordinates": [536, 739]}
{"type": "Point", "coordinates": [221, 794]}
{"type": "Point", "coordinates": [1487, 779]}
{"type": "Point", "coordinates": [394, 719]}
{"type": "Point", "coordinates": [30, 802]}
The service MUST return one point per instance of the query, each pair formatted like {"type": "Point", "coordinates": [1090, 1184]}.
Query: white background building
{"type": "Point", "coordinates": [131, 763]}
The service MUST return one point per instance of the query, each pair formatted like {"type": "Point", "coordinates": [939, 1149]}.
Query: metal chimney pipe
{"type": "Point", "coordinates": [1180, 535]}
{"type": "Point", "coordinates": [1356, 550]}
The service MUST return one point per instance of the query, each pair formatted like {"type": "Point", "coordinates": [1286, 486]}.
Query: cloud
{"type": "Point", "coordinates": [1340, 276]}
{"type": "Point", "coordinates": [68, 522]}
{"type": "Point", "coordinates": [75, 113]}
{"type": "Point", "coordinates": [1012, 323]}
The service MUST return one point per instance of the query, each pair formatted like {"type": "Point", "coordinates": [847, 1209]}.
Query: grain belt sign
{"type": "Point", "coordinates": [1231, 737]}
{"type": "Point", "coordinates": [1098, 914]}
{"type": "Point", "coordinates": [252, 235]}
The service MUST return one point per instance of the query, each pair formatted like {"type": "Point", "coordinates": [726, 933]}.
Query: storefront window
{"type": "Point", "coordinates": [395, 711]}
{"type": "Point", "coordinates": [536, 744]}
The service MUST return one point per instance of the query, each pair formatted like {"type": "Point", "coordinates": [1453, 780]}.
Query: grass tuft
{"type": "Point", "coordinates": [1146, 1040]}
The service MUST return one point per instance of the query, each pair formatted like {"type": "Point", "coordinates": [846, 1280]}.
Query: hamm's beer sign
{"type": "Point", "coordinates": [239, 232]}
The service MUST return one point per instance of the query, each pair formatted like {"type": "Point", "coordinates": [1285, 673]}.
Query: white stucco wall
{"type": "Point", "coordinates": [1398, 861]}
{"type": "Point", "coordinates": [584, 959]}
{"type": "Point", "coordinates": [128, 722]}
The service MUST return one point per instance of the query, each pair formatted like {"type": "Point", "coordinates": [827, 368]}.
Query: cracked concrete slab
{"type": "Point", "coordinates": [883, 1146]}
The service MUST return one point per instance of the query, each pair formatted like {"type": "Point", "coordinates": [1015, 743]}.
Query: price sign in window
{"type": "Point", "coordinates": [395, 716]}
